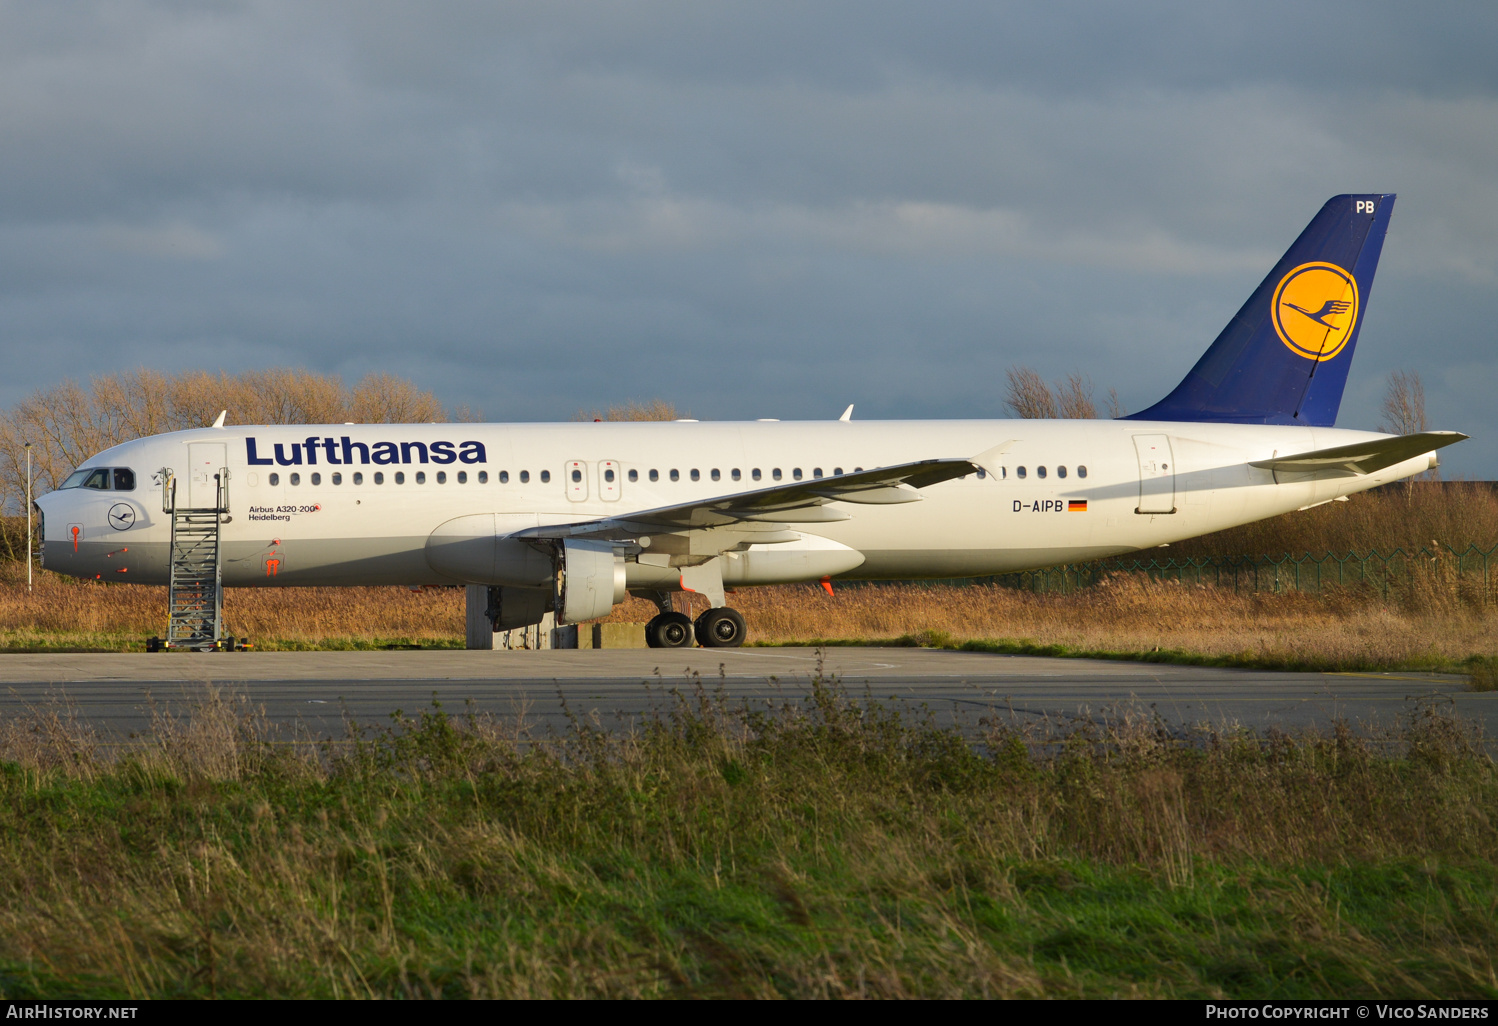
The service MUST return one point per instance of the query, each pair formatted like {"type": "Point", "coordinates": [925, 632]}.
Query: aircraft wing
{"type": "Point", "coordinates": [1362, 457]}
{"type": "Point", "coordinates": [798, 502]}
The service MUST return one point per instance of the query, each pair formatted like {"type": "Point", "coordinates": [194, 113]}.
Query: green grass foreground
{"type": "Point", "coordinates": [840, 849]}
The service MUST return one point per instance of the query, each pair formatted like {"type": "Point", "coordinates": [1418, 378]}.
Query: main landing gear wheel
{"type": "Point", "coordinates": [720, 628]}
{"type": "Point", "coordinates": [669, 630]}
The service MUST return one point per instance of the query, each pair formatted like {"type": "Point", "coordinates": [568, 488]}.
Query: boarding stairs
{"type": "Point", "coordinates": [195, 592]}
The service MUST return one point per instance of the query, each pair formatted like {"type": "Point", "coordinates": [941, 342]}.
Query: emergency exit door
{"type": "Point", "coordinates": [1157, 475]}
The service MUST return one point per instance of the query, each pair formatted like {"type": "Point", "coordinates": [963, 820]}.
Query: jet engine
{"type": "Point", "coordinates": [590, 580]}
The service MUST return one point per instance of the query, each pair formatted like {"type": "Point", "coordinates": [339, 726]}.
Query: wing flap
{"type": "Point", "coordinates": [1362, 457]}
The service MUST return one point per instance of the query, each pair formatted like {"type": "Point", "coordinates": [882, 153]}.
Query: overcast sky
{"type": "Point", "coordinates": [753, 210]}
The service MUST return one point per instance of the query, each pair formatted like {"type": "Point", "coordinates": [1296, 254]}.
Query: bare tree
{"type": "Point", "coordinates": [653, 409]}
{"type": "Point", "coordinates": [1115, 408]}
{"type": "Point", "coordinates": [387, 399]}
{"type": "Point", "coordinates": [1030, 397]}
{"type": "Point", "coordinates": [1074, 397]}
{"type": "Point", "coordinates": [67, 424]}
{"type": "Point", "coordinates": [1404, 404]}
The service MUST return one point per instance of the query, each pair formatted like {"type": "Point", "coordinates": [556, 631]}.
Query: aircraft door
{"type": "Point", "coordinates": [1157, 476]}
{"type": "Point", "coordinates": [577, 480]}
{"type": "Point", "coordinates": [204, 460]}
{"type": "Point", "coordinates": [608, 480]}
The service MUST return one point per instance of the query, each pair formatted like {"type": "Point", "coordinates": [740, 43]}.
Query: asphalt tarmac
{"type": "Point", "coordinates": [315, 694]}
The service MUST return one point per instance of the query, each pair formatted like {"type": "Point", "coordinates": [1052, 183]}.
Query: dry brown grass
{"type": "Point", "coordinates": [61, 613]}
{"type": "Point", "coordinates": [1421, 514]}
{"type": "Point", "coordinates": [1429, 626]}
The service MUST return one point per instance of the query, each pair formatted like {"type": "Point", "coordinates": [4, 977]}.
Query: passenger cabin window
{"type": "Point", "coordinates": [577, 476]}
{"type": "Point", "coordinates": [675, 475]}
{"type": "Point", "coordinates": [442, 477]}
{"type": "Point", "coordinates": [546, 477]}
{"type": "Point", "coordinates": [317, 479]}
{"type": "Point", "coordinates": [1019, 472]}
{"type": "Point", "coordinates": [655, 475]}
{"type": "Point", "coordinates": [608, 476]}
{"type": "Point", "coordinates": [1040, 472]}
{"type": "Point", "coordinates": [1081, 471]}
{"type": "Point", "coordinates": [755, 473]}
{"type": "Point", "coordinates": [358, 477]}
{"type": "Point", "coordinates": [776, 473]}
{"type": "Point", "coordinates": [1060, 471]}
{"type": "Point", "coordinates": [736, 474]}
{"type": "Point", "coordinates": [462, 477]}
{"type": "Point", "coordinates": [982, 473]}
{"type": "Point", "coordinates": [696, 474]}
{"type": "Point", "coordinates": [796, 473]}
{"type": "Point", "coordinates": [504, 477]}
{"type": "Point", "coordinates": [296, 479]}
{"type": "Point", "coordinates": [421, 477]}
{"type": "Point", "coordinates": [816, 472]}
{"type": "Point", "coordinates": [273, 479]}
{"type": "Point", "coordinates": [483, 477]}
{"type": "Point", "coordinates": [337, 478]}
{"type": "Point", "coordinates": [837, 471]}
{"type": "Point", "coordinates": [379, 477]}
{"type": "Point", "coordinates": [717, 474]}
{"type": "Point", "coordinates": [400, 477]}
{"type": "Point", "coordinates": [525, 477]}
{"type": "Point", "coordinates": [634, 475]}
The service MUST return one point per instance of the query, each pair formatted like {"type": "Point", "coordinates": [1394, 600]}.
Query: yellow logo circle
{"type": "Point", "coordinates": [1314, 309]}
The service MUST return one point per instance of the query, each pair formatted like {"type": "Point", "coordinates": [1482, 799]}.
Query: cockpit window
{"type": "Point", "coordinates": [100, 478]}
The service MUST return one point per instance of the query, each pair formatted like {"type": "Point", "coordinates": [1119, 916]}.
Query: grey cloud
{"type": "Point", "coordinates": [754, 210]}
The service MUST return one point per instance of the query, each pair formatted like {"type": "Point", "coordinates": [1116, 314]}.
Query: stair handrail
{"type": "Point", "coordinates": [168, 490]}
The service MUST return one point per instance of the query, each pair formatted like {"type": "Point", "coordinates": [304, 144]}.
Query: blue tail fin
{"type": "Point", "coordinates": [1283, 359]}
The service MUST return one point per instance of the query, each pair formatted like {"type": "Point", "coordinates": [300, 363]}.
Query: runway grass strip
{"type": "Point", "coordinates": [839, 849]}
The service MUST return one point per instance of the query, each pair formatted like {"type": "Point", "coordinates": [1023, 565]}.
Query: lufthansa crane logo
{"type": "Point", "coordinates": [121, 516]}
{"type": "Point", "coordinates": [1315, 307]}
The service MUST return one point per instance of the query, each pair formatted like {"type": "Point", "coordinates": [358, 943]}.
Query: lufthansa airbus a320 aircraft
{"type": "Point", "coordinates": [573, 517]}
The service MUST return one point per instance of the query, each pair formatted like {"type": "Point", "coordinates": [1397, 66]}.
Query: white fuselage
{"type": "Point", "coordinates": [288, 527]}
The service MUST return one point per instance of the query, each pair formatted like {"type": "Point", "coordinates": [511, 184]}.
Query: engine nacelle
{"type": "Point", "coordinates": [475, 550]}
{"type": "Point", "coordinates": [592, 580]}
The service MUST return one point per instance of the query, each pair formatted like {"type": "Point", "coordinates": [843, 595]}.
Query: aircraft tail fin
{"type": "Point", "coordinates": [1284, 358]}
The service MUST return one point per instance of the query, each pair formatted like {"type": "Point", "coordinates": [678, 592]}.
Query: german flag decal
{"type": "Point", "coordinates": [1076, 505]}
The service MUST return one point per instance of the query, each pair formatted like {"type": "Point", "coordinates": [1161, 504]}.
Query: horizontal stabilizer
{"type": "Point", "coordinates": [1362, 457]}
